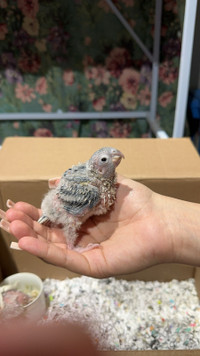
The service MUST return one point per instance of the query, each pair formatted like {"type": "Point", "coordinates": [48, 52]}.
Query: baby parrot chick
{"type": "Point", "coordinates": [84, 190]}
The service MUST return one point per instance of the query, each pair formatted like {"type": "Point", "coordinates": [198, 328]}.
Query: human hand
{"type": "Point", "coordinates": [132, 236]}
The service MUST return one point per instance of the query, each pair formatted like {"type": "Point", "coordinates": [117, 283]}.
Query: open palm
{"type": "Point", "coordinates": [129, 235]}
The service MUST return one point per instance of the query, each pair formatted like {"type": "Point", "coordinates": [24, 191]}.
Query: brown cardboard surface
{"type": "Point", "coordinates": [41, 158]}
{"type": "Point", "coordinates": [170, 167]}
{"type": "Point", "coordinates": [166, 166]}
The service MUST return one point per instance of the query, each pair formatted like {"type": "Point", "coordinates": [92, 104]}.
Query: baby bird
{"type": "Point", "coordinates": [84, 190]}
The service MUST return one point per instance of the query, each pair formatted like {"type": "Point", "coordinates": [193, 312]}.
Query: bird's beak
{"type": "Point", "coordinates": [117, 157]}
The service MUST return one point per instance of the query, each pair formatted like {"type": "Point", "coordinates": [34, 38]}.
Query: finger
{"type": "Point", "coordinates": [14, 221]}
{"type": "Point", "coordinates": [70, 259]}
{"type": "Point", "coordinates": [28, 209]}
{"type": "Point", "coordinates": [13, 214]}
{"type": "Point", "coordinates": [19, 229]}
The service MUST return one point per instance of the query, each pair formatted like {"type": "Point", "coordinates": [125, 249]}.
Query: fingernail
{"type": "Point", "coordinates": [15, 246]}
{"type": "Point", "coordinates": [10, 203]}
{"type": "Point", "coordinates": [2, 214]}
{"type": "Point", "coordinates": [5, 225]}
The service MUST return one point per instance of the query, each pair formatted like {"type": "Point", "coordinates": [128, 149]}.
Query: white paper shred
{"type": "Point", "coordinates": [129, 315]}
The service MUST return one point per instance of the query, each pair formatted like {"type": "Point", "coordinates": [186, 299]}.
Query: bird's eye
{"type": "Point", "coordinates": [104, 159]}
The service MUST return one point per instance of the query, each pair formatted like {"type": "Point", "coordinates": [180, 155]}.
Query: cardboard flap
{"type": "Point", "coordinates": [43, 158]}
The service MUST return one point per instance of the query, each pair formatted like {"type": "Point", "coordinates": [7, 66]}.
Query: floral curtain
{"type": "Point", "coordinates": [75, 56]}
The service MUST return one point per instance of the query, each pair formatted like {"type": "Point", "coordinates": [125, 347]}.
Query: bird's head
{"type": "Point", "coordinates": [104, 161]}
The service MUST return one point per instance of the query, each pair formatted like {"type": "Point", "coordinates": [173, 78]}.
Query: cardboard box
{"type": "Point", "coordinates": [170, 167]}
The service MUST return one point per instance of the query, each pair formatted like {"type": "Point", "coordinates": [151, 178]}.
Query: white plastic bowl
{"type": "Point", "coordinates": [37, 307]}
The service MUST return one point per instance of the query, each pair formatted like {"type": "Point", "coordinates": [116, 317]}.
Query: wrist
{"type": "Point", "coordinates": [182, 226]}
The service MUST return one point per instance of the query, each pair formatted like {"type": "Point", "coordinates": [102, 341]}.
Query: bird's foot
{"type": "Point", "coordinates": [44, 220]}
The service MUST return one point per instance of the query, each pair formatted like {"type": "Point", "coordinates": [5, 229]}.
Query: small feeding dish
{"type": "Point", "coordinates": [22, 295]}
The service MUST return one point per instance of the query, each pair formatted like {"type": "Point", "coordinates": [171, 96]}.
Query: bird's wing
{"type": "Point", "coordinates": [79, 198]}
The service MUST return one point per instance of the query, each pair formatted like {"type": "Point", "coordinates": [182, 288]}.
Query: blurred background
{"type": "Point", "coordinates": [76, 56]}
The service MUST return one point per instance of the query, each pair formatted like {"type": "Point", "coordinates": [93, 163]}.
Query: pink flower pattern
{"type": "Point", "coordinates": [29, 8]}
{"type": "Point", "coordinates": [168, 73]}
{"type": "Point", "coordinates": [68, 77]}
{"type": "Point", "coordinates": [129, 80]}
{"type": "Point", "coordinates": [41, 86]}
{"type": "Point", "coordinates": [24, 93]}
{"type": "Point", "coordinates": [165, 98]}
{"type": "Point", "coordinates": [46, 66]}
{"type": "Point", "coordinates": [3, 31]}
{"type": "Point", "coordinates": [118, 59]}
{"type": "Point", "coordinates": [42, 132]}
{"type": "Point", "coordinates": [144, 96]}
{"type": "Point", "coordinates": [98, 104]}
